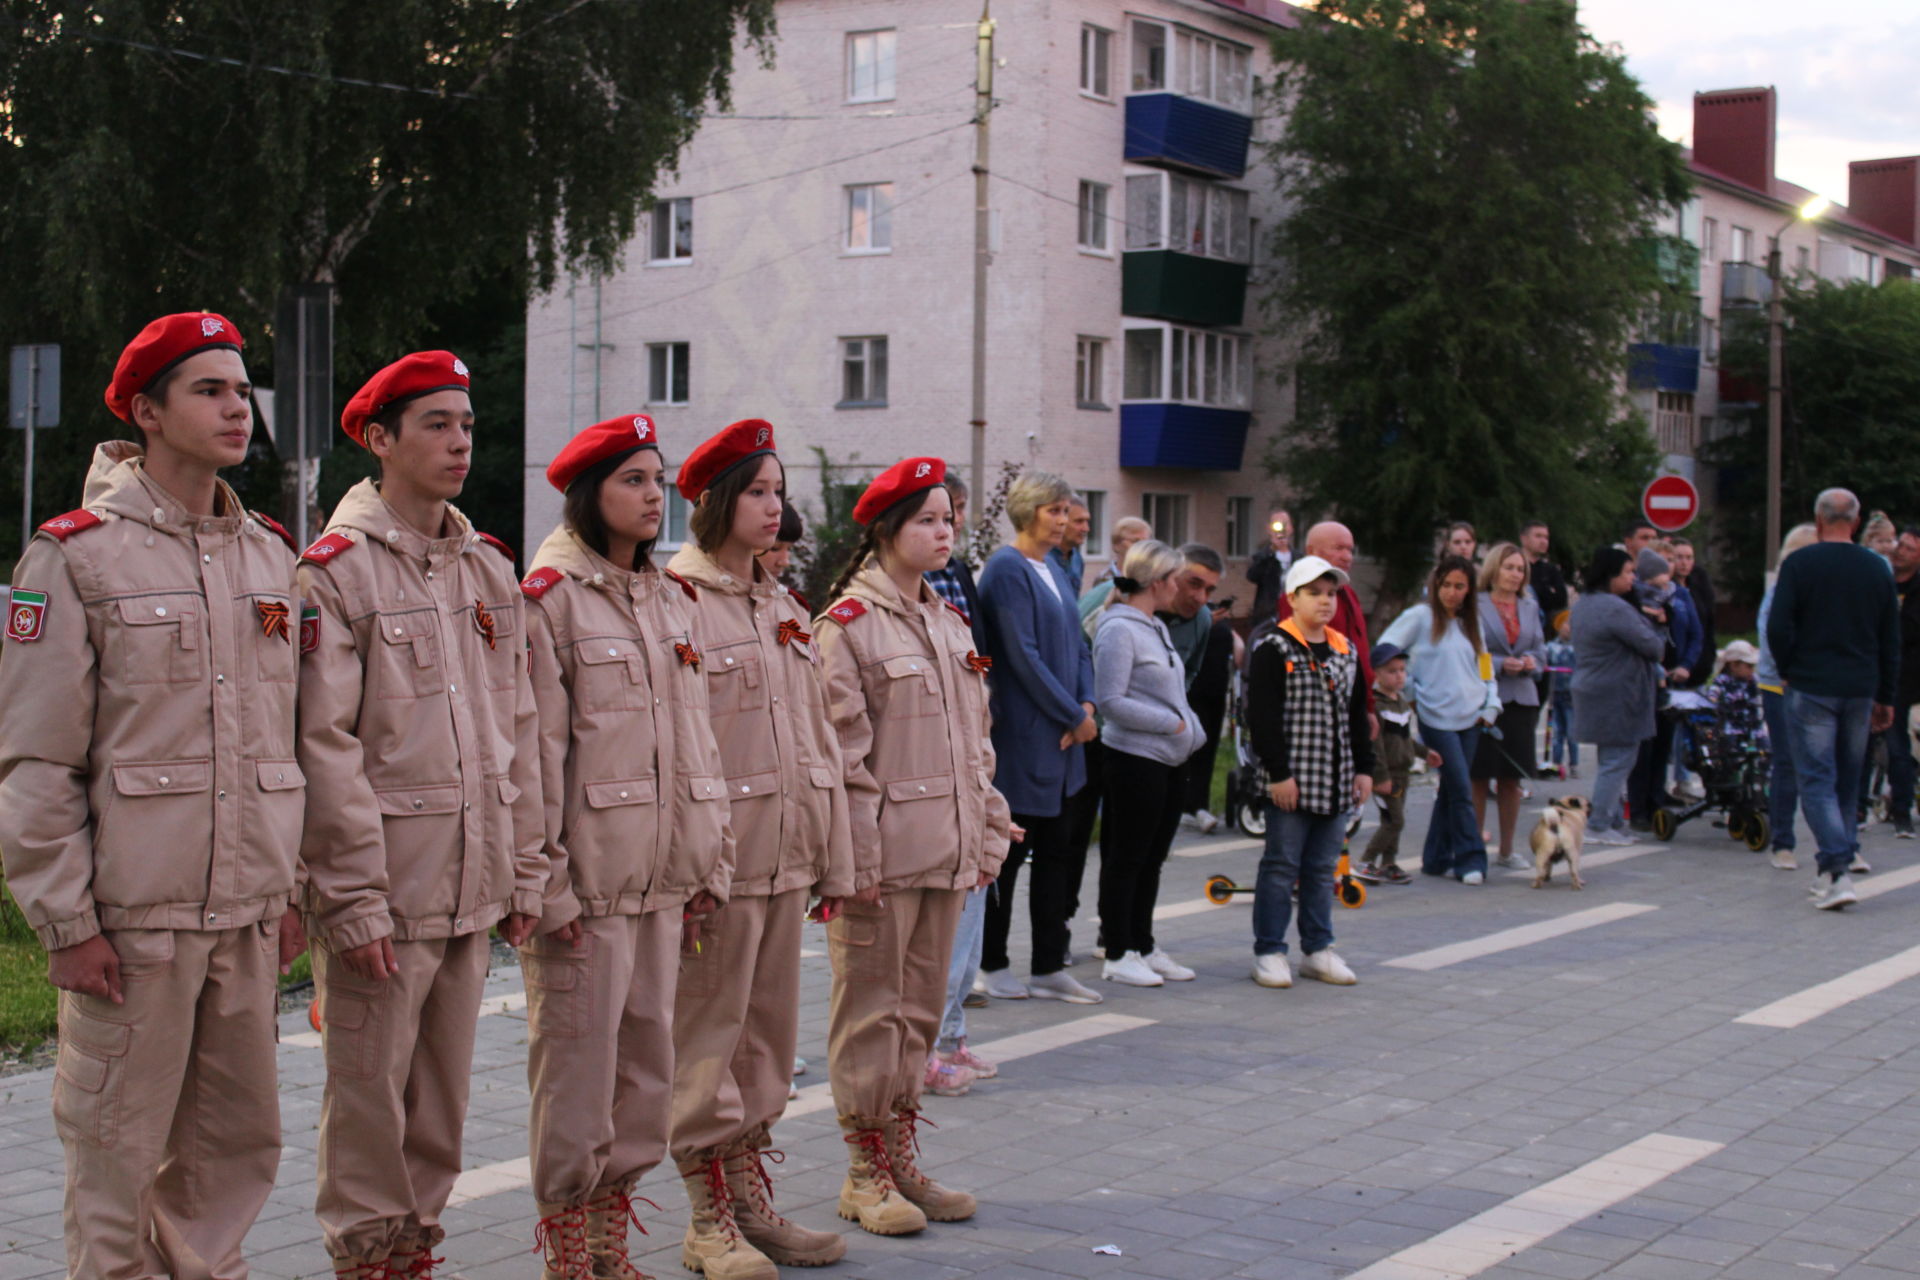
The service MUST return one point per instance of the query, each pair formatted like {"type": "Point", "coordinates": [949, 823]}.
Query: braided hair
{"type": "Point", "coordinates": [884, 528]}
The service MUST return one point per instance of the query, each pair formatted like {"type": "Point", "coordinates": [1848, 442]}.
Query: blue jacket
{"type": "Point", "coordinates": [1042, 672]}
{"type": "Point", "coordinates": [1686, 631]}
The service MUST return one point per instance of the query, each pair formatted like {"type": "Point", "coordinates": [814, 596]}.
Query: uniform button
{"type": "Point", "coordinates": [656, 702]}
{"type": "Point", "coordinates": [429, 575]}
{"type": "Point", "coordinates": [205, 559]}
{"type": "Point", "coordinates": [729, 661]}
{"type": "Point", "coordinates": [726, 577]}
{"type": "Point", "coordinates": [913, 666]}
{"type": "Point", "coordinates": [709, 790]}
{"type": "Point", "coordinates": [468, 806]}
{"type": "Point", "coordinates": [399, 631]}
{"type": "Point", "coordinates": [745, 790]}
{"type": "Point", "coordinates": [776, 697]}
{"type": "Point", "coordinates": [599, 577]}
{"type": "Point", "coordinates": [222, 795]}
{"type": "Point", "coordinates": [419, 804]}
{"type": "Point", "coordinates": [160, 611]}
{"type": "Point", "coordinates": [211, 915]}
{"type": "Point", "coordinates": [453, 688]}
{"type": "Point", "coordinates": [623, 795]}
{"type": "Point", "coordinates": [393, 535]}
{"type": "Point", "coordinates": [279, 777]}
{"type": "Point", "coordinates": [613, 653]}
{"type": "Point", "coordinates": [923, 791]}
{"type": "Point", "coordinates": [219, 679]}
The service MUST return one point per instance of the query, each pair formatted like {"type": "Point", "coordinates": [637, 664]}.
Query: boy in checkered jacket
{"type": "Point", "coordinates": [1307, 712]}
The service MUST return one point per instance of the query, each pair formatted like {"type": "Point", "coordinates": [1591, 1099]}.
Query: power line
{"type": "Point", "coordinates": [171, 52]}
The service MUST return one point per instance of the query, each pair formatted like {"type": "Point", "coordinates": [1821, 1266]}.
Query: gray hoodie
{"type": "Point", "coordinates": [1140, 686]}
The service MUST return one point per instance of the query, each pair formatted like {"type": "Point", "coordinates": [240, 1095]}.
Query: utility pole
{"type": "Point", "coordinates": [982, 228]}
{"type": "Point", "coordinates": [1775, 343]}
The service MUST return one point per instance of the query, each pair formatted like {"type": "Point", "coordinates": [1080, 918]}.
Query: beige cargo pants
{"type": "Point", "coordinates": [889, 990]}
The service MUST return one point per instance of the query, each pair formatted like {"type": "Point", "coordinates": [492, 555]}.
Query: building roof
{"type": "Point", "coordinates": [1277, 12]}
{"type": "Point", "coordinates": [1789, 196]}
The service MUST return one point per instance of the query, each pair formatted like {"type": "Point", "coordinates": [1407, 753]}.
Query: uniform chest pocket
{"type": "Point", "coordinates": [273, 621]}
{"type": "Point", "coordinates": [911, 686]}
{"type": "Point", "coordinates": [502, 652]}
{"type": "Point", "coordinates": [735, 680]}
{"type": "Point", "coordinates": [163, 639]}
{"type": "Point", "coordinates": [409, 648]}
{"type": "Point", "coordinates": [609, 674]}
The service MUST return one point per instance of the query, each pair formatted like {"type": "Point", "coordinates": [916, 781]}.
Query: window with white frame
{"type": "Point", "coordinates": [1090, 373]}
{"type": "Point", "coordinates": [672, 231]}
{"type": "Point", "coordinates": [673, 520]}
{"type": "Point", "coordinates": [870, 66]}
{"type": "Point", "coordinates": [1093, 215]}
{"type": "Point", "coordinates": [1097, 544]}
{"type": "Point", "coordinates": [1802, 260]}
{"type": "Point", "coordinates": [1239, 540]}
{"type": "Point", "coordinates": [1862, 265]}
{"type": "Point", "coordinates": [667, 372]}
{"type": "Point", "coordinates": [870, 218]}
{"type": "Point", "coordinates": [1096, 51]}
{"type": "Point", "coordinates": [1709, 239]}
{"type": "Point", "coordinates": [1739, 244]}
{"type": "Point", "coordinates": [1191, 366]}
{"type": "Point", "coordinates": [1167, 513]}
{"type": "Point", "coordinates": [1191, 63]}
{"type": "Point", "coordinates": [1171, 211]}
{"type": "Point", "coordinates": [863, 372]}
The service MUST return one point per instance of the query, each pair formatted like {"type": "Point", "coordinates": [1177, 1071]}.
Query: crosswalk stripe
{"type": "Point", "coordinates": [1804, 1006]}
{"type": "Point", "coordinates": [1521, 936]}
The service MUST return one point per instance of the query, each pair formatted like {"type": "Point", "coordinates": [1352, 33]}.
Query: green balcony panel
{"type": "Point", "coordinates": [1164, 285]}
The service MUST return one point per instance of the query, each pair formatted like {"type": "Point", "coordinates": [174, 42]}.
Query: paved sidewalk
{"type": "Point", "coordinates": [1552, 1084]}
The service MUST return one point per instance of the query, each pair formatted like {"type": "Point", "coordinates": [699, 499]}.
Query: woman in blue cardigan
{"type": "Point", "coordinates": [1042, 714]}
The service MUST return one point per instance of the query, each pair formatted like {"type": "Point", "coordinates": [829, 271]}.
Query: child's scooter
{"type": "Point", "coordinates": [1349, 888]}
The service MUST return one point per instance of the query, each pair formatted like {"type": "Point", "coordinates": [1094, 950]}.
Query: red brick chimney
{"type": "Point", "coordinates": [1885, 194]}
{"type": "Point", "coordinates": [1733, 133]}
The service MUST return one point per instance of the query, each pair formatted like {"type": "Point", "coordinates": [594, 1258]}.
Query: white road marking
{"type": "Point", "coordinates": [1522, 936]}
{"type": "Point", "coordinates": [491, 1180]}
{"type": "Point", "coordinates": [1491, 1238]}
{"type": "Point", "coordinates": [492, 1006]}
{"type": "Point", "coordinates": [810, 953]}
{"type": "Point", "coordinates": [1886, 882]}
{"type": "Point", "coordinates": [1805, 1006]}
{"type": "Point", "coordinates": [1198, 906]}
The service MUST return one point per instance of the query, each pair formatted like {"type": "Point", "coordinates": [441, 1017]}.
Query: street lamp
{"type": "Point", "coordinates": [1776, 344]}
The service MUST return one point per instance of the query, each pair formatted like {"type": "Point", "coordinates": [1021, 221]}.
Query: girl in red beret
{"type": "Point", "coordinates": [736, 1019]}
{"type": "Point", "coordinates": [907, 695]}
{"type": "Point", "coordinates": [637, 836]}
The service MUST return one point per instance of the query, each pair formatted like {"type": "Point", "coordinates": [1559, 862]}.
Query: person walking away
{"type": "Point", "coordinates": [1514, 637]}
{"type": "Point", "coordinates": [1392, 764]}
{"type": "Point", "coordinates": [1267, 566]}
{"type": "Point", "coordinates": [420, 742]}
{"type": "Point", "coordinates": [1834, 631]}
{"type": "Point", "coordinates": [1455, 697]}
{"type": "Point", "coordinates": [148, 670]}
{"type": "Point", "coordinates": [1042, 702]}
{"type": "Point", "coordinates": [1308, 715]}
{"type": "Point", "coordinates": [1149, 731]}
{"type": "Point", "coordinates": [906, 693]}
{"type": "Point", "coordinates": [1783, 789]}
{"type": "Point", "coordinates": [1616, 667]}
{"type": "Point", "coordinates": [1070, 555]}
{"type": "Point", "coordinates": [1565, 747]}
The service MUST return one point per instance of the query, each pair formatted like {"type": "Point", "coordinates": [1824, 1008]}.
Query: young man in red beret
{"type": "Point", "coordinates": [150, 813]}
{"type": "Point", "coordinates": [419, 738]}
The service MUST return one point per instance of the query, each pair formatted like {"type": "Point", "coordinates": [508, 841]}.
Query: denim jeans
{"type": "Point", "coordinates": [1560, 722]}
{"type": "Point", "coordinates": [1609, 786]}
{"type": "Point", "coordinates": [1829, 743]}
{"type": "Point", "coordinates": [1900, 763]}
{"type": "Point", "coordinates": [961, 968]}
{"type": "Point", "coordinates": [1783, 786]}
{"type": "Point", "coordinates": [1303, 847]}
{"type": "Point", "coordinates": [1453, 842]}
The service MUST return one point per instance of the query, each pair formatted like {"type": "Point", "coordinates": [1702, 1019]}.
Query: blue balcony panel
{"type": "Point", "coordinates": [1661, 367]}
{"type": "Point", "coordinates": [1160, 434]}
{"type": "Point", "coordinates": [1170, 129]}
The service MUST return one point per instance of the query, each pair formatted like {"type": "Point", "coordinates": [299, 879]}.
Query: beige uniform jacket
{"type": "Point", "coordinates": [636, 799]}
{"type": "Point", "coordinates": [768, 700]}
{"type": "Point", "coordinates": [418, 731]}
{"type": "Point", "coordinates": [147, 772]}
{"type": "Point", "coordinates": [907, 695]}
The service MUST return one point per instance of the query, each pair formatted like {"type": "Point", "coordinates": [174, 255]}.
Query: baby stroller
{"type": "Point", "coordinates": [1733, 768]}
{"type": "Point", "coordinates": [1246, 796]}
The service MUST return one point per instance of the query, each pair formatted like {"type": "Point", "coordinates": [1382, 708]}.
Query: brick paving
{"type": "Point", "coordinates": [1318, 1131]}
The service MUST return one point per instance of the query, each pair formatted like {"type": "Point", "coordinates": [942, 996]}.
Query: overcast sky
{"type": "Point", "coordinates": [1847, 72]}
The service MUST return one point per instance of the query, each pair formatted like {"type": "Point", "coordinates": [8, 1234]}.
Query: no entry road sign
{"type": "Point", "coordinates": [1670, 503]}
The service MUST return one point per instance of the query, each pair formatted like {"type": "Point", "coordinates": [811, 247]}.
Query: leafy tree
{"type": "Point", "coordinates": [1472, 188]}
{"type": "Point", "coordinates": [1852, 413]}
{"type": "Point", "coordinates": [163, 155]}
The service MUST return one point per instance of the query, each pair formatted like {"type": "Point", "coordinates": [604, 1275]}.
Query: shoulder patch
{"type": "Point", "coordinates": [847, 610]}
{"type": "Point", "coordinates": [276, 527]}
{"type": "Point", "coordinates": [496, 544]}
{"type": "Point", "coordinates": [326, 548]}
{"type": "Point", "coordinates": [64, 527]}
{"type": "Point", "coordinates": [688, 587]}
{"type": "Point", "coordinates": [539, 582]}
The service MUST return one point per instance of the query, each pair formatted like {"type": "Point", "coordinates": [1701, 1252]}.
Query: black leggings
{"type": "Point", "coordinates": [1143, 799]}
{"type": "Point", "coordinates": [1053, 891]}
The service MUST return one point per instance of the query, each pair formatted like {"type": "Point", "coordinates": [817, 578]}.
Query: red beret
{"type": "Point", "coordinates": [598, 442]}
{"type": "Point", "coordinates": [419, 374]}
{"type": "Point", "coordinates": [896, 484]}
{"type": "Point", "coordinates": [751, 438]}
{"type": "Point", "coordinates": [162, 345]}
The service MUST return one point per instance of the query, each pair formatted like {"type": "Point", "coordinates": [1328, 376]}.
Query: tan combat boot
{"type": "Point", "coordinates": [788, 1243]}
{"type": "Point", "coordinates": [714, 1244]}
{"type": "Point", "coordinates": [561, 1239]}
{"type": "Point", "coordinates": [412, 1260]}
{"type": "Point", "coordinates": [869, 1196]}
{"type": "Point", "coordinates": [940, 1204]}
{"type": "Point", "coordinates": [361, 1269]}
{"type": "Point", "coordinates": [610, 1212]}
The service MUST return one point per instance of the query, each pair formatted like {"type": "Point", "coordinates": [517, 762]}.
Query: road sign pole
{"type": "Point", "coordinates": [33, 414]}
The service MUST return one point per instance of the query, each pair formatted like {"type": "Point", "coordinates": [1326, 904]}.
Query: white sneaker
{"type": "Point", "coordinates": [1206, 822]}
{"type": "Point", "coordinates": [1614, 836]}
{"type": "Point", "coordinates": [1327, 967]}
{"type": "Point", "coordinates": [1272, 971]}
{"type": "Point", "coordinates": [1860, 867]}
{"type": "Point", "coordinates": [799, 1066]}
{"type": "Point", "coordinates": [1784, 860]}
{"type": "Point", "coordinates": [1167, 967]}
{"type": "Point", "coordinates": [1838, 894]}
{"type": "Point", "coordinates": [1002, 985]}
{"type": "Point", "coordinates": [1472, 877]}
{"type": "Point", "coordinates": [1062, 986]}
{"type": "Point", "coordinates": [1133, 970]}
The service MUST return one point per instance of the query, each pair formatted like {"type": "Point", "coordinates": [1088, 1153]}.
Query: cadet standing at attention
{"type": "Point", "coordinates": [737, 1016]}
{"type": "Point", "coordinates": [420, 743]}
{"type": "Point", "coordinates": [150, 810]}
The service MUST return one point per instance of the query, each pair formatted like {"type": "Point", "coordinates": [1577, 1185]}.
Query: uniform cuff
{"type": "Point", "coordinates": [69, 933]}
{"type": "Point", "coordinates": [528, 902]}
{"type": "Point", "coordinates": [358, 933]}
{"type": "Point", "coordinates": [558, 912]}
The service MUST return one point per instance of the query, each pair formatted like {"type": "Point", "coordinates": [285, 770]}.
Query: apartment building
{"type": "Point", "coordinates": [812, 261]}
{"type": "Point", "coordinates": [1740, 205]}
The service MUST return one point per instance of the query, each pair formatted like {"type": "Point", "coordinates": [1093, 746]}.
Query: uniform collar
{"type": "Point", "coordinates": [365, 510]}
{"type": "Point", "coordinates": [563, 550]}
{"type": "Point", "coordinates": [701, 569]}
{"type": "Point", "coordinates": [117, 481]}
{"type": "Point", "coordinates": [873, 585]}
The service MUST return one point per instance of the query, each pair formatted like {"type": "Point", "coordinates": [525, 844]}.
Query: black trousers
{"type": "Point", "coordinates": [1143, 812]}
{"type": "Point", "coordinates": [1083, 812]}
{"type": "Point", "coordinates": [1647, 784]}
{"type": "Point", "coordinates": [1053, 888]}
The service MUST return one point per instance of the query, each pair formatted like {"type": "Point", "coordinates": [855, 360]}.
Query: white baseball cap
{"type": "Point", "coordinates": [1311, 569]}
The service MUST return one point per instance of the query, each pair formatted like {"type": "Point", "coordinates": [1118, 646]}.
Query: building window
{"type": "Point", "coordinates": [1239, 528]}
{"type": "Point", "coordinates": [1149, 57]}
{"type": "Point", "coordinates": [1096, 47]}
{"type": "Point", "coordinates": [667, 372]}
{"type": "Point", "coordinates": [1145, 358]}
{"type": "Point", "coordinates": [1709, 340]}
{"type": "Point", "coordinates": [870, 218]}
{"type": "Point", "coordinates": [1202, 66]}
{"type": "Point", "coordinates": [672, 231]}
{"type": "Point", "coordinates": [1090, 373]}
{"type": "Point", "coordinates": [1193, 366]}
{"type": "Point", "coordinates": [870, 66]}
{"type": "Point", "coordinates": [1673, 422]}
{"type": "Point", "coordinates": [1802, 260]}
{"type": "Point", "coordinates": [673, 521]}
{"type": "Point", "coordinates": [1739, 244]}
{"type": "Point", "coordinates": [1861, 265]}
{"type": "Point", "coordinates": [863, 372]}
{"type": "Point", "coordinates": [1093, 216]}
{"type": "Point", "coordinates": [1167, 513]}
{"type": "Point", "coordinates": [1169, 211]}
{"type": "Point", "coordinates": [1709, 239]}
{"type": "Point", "coordinates": [1097, 544]}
